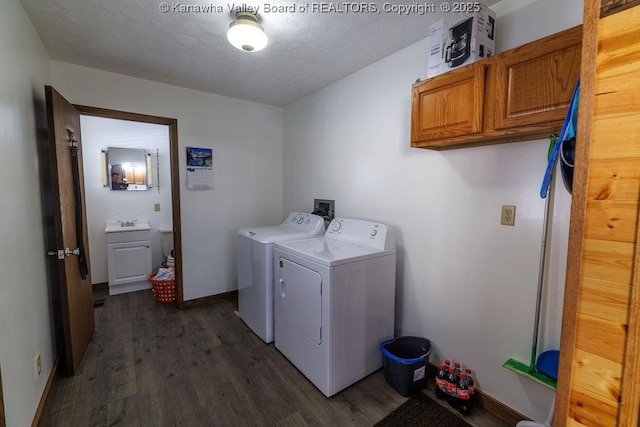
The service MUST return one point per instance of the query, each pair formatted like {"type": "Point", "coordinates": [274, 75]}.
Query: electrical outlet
{"type": "Point", "coordinates": [37, 365]}
{"type": "Point", "coordinates": [508, 215]}
{"type": "Point", "coordinates": [156, 207]}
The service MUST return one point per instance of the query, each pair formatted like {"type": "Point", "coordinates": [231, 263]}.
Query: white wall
{"type": "Point", "coordinates": [246, 138]}
{"type": "Point", "coordinates": [25, 315]}
{"type": "Point", "coordinates": [463, 280]}
{"type": "Point", "coordinates": [105, 205]}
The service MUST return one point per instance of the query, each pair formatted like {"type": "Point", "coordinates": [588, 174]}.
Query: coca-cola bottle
{"type": "Point", "coordinates": [452, 386]}
{"type": "Point", "coordinates": [472, 387]}
{"type": "Point", "coordinates": [441, 382]}
{"type": "Point", "coordinates": [456, 372]}
{"type": "Point", "coordinates": [465, 392]}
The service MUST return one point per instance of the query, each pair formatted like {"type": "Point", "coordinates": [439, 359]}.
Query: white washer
{"type": "Point", "coordinates": [255, 267]}
{"type": "Point", "coordinates": [335, 301]}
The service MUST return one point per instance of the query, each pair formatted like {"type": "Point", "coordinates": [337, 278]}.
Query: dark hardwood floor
{"type": "Point", "coordinates": [149, 364]}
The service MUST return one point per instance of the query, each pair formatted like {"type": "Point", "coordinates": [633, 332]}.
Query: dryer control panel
{"type": "Point", "coordinates": [361, 232]}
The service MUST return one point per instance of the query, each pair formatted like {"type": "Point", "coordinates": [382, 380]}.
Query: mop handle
{"type": "Point", "coordinates": [543, 255]}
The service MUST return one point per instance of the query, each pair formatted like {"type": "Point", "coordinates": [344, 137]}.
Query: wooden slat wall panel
{"type": "Point", "coordinates": [589, 411]}
{"type": "Point", "coordinates": [605, 300]}
{"type": "Point", "coordinates": [607, 260]}
{"type": "Point", "coordinates": [597, 377]}
{"type": "Point", "coordinates": [601, 337]}
{"type": "Point", "coordinates": [629, 413]}
{"type": "Point", "coordinates": [610, 180]}
{"type": "Point", "coordinates": [612, 221]}
{"type": "Point", "coordinates": [613, 124]}
{"type": "Point", "coordinates": [610, 233]}
{"type": "Point", "coordinates": [610, 79]}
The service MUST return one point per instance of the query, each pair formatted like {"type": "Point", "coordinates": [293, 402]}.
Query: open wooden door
{"type": "Point", "coordinates": [73, 279]}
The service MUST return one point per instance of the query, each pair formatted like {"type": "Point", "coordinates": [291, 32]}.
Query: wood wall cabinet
{"type": "Point", "coordinates": [520, 94]}
{"type": "Point", "coordinates": [450, 106]}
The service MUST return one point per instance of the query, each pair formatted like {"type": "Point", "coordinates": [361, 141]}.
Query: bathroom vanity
{"type": "Point", "coordinates": [128, 255]}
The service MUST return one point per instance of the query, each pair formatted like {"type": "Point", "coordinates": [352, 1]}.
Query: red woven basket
{"type": "Point", "coordinates": [163, 290]}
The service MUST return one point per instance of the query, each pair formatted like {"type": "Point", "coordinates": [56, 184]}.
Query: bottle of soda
{"type": "Point", "coordinates": [465, 392]}
{"type": "Point", "coordinates": [456, 372]}
{"type": "Point", "coordinates": [441, 382]}
{"type": "Point", "coordinates": [452, 386]}
{"type": "Point", "coordinates": [472, 388]}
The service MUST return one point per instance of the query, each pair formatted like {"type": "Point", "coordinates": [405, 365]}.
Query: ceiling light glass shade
{"type": "Point", "coordinates": [246, 34]}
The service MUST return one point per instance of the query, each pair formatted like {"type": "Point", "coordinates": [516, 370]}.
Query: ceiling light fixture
{"type": "Point", "coordinates": [245, 33]}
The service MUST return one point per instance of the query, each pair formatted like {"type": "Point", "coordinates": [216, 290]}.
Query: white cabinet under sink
{"type": "Point", "coordinates": [128, 257]}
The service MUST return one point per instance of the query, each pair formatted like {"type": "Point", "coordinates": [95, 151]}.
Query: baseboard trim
{"type": "Point", "coordinates": [37, 419]}
{"type": "Point", "coordinates": [489, 404]}
{"type": "Point", "coordinates": [210, 299]}
{"type": "Point", "coordinates": [499, 409]}
{"type": "Point", "coordinates": [102, 286]}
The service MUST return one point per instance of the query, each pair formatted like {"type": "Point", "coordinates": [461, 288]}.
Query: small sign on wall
{"type": "Point", "coordinates": [199, 168]}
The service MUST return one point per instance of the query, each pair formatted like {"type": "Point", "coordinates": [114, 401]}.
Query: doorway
{"type": "Point", "coordinates": [166, 184]}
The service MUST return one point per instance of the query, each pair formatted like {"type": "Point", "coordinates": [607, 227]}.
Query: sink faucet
{"type": "Point", "coordinates": [128, 223]}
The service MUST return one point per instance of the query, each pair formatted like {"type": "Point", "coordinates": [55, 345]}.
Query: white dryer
{"type": "Point", "coordinates": [255, 267]}
{"type": "Point", "coordinates": [335, 301]}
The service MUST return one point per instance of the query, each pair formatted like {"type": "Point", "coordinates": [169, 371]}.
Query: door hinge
{"type": "Point", "coordinates": [73, 142]}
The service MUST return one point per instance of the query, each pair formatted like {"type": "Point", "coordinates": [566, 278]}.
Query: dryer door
{"type": "Point", "coordinates": [299, 293]}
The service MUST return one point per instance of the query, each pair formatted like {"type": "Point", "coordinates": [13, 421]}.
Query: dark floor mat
{"type": "Point", "coordinates": [420, 410]}
{"type": "Point", "coordinates": [99, 302]}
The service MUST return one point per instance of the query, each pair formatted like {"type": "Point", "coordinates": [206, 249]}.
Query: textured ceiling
{"type": "Point", "coordinates": [308, 49]}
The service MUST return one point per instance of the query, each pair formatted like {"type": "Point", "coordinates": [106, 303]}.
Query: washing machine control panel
{"type": "Point", "coordinates": [304, 222]}
{"type": "Point", "coordinates": [361, 232]}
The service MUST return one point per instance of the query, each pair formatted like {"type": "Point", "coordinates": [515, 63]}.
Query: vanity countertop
{"type": "Point", "coordinates": [127, 225]}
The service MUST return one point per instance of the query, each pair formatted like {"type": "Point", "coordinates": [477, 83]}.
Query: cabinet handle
{"type": "Point", "coordinates": [282, 289]}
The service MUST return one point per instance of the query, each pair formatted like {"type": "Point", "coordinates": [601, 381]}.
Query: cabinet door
{"type": "Point", "coordinates": [534, 82]}
{"type": "Point", "coordinates": [128, 262]}
{"type": "Point", "coordinates": [448, 105]}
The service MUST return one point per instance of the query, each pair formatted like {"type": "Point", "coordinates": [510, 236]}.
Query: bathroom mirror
{"type": "Point", "coordinates": [127, 169]}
